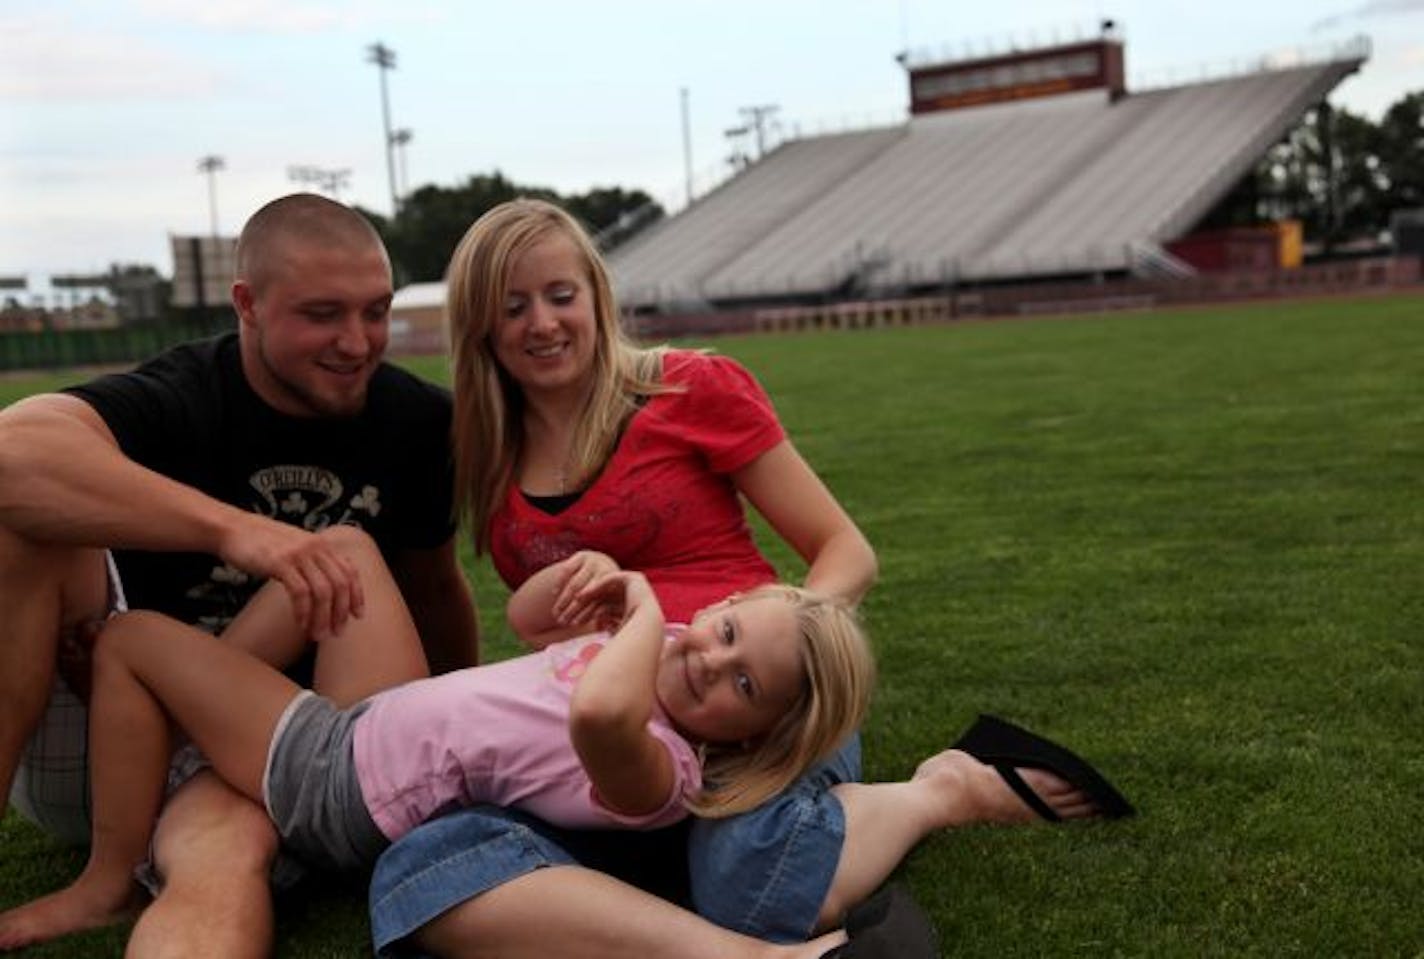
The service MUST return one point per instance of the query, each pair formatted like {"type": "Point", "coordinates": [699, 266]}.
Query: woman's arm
{"type": "Point", "coordinates": [784, 489]}
{"type": "Point", "coordinates": [608, 718]}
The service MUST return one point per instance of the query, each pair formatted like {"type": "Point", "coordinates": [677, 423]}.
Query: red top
{"type": "Point", "coordinates": [665, 504]}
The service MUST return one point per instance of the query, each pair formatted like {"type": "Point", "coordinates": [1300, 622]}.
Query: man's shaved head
{"type": "Point", "coordinates": [301, 218]}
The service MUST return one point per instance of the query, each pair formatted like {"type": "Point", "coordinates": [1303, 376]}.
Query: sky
{"type": "Point", "coordinates": [107, 107]}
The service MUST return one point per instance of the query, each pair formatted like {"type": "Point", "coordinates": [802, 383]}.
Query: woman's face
{"type": "Point", "coordinates": [546, 337]}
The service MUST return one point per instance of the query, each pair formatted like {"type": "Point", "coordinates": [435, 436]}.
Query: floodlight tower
{"type": "Point", "coordinates": [399, 139]}
{"type": "Point", "coordinates": [210, 165]}
{"type": "Point", "coordinates": [385, 59]}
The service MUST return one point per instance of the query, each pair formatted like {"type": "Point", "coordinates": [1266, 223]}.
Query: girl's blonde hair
{"type": "Point", "coordinates": [488, 427]}
{"type": "Point", "coordinates": [840, 674]}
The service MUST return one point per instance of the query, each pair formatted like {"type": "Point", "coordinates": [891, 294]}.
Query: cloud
{"type": "Point", "coordinates": [261, 16]}
{"type": "Point", "coordinates": [1374, 8]}
{"type": "Point", "coordinates": [50, 61]}
{"type": "Point", "coordinates": [285, 16]}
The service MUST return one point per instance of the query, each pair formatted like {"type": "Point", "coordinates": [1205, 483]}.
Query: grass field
{"type": "Point", "coordinates": [1190, 545]}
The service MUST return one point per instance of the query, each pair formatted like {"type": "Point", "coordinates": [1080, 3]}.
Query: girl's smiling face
{"type": "Point", "coordinates": [735, 671]}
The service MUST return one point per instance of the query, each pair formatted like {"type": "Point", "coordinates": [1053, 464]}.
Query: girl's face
{"type": "Point", "coordinates": [546, 337]}
{"type": "Point", "coordinates": [734, 671]}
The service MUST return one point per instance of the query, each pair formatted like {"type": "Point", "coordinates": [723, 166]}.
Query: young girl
{"type": "Point", "coordinates": [606, 730]}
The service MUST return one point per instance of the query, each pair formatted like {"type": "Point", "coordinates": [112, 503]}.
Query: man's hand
{"type": "Point", "coordinates": [324, 587]}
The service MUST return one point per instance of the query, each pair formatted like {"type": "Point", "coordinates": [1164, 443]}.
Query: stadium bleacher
{"type": "Point", "coordinates": [1084, 182]}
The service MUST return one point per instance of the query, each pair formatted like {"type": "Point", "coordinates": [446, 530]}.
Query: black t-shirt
{"type": "Point", "coordinates": [190, 415]}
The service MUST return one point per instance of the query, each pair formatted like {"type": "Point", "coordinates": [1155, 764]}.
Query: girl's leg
{"type": "Point", "coordinates": [227, 701]}
{"type": "Point", "coordinates": [377, 650]}
{"type": "Point", "coordinates": [129, 750]}
{"type": "Point", "coordinates": [144, 664]}
{"type": "Point", "coordinates": [381, 648]}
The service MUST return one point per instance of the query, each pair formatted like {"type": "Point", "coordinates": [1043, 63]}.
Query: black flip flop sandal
{"type": "Point", "coordinates": [1004, 746]}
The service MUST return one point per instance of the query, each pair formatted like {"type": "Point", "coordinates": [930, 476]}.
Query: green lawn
{"type": "Point", "coordinates": [1190, 545]}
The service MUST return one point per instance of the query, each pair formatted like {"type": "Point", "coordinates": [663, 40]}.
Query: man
{"type": "Point", "coordinates": [206, 471]}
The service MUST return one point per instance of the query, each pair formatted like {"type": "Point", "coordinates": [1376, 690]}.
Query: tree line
{"type": "Point", "coordinates": [1341, 174]}
{"type": "Point", "coordinates": [431, 220]}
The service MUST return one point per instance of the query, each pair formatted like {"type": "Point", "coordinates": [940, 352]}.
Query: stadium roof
{"type": "Point", "coordinates": [1078, 183]}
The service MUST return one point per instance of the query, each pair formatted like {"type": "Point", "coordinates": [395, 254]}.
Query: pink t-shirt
{"type": "Point", "coordinates": [497, 734]}
{"type": "Point", "coordinates": [665, 503]}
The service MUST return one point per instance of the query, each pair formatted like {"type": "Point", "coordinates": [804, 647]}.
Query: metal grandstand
{"type": "Point", "coordinates": [1085, 182]}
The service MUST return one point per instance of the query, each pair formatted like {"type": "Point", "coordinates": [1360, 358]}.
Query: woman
{"type": "Point", "coordinates": [569, 438]}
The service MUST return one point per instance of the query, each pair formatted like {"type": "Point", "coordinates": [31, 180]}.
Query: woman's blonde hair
{"type": "Point", "coordinates": [488, 427]}
{"type": "Point", "coordinates": [840, 674]}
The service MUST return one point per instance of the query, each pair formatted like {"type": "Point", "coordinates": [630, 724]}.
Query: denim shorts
{"type": "Point", "coordinates": [764, 873]}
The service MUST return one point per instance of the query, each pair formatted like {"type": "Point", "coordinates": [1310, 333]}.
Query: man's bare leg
{"type": "Point", "coordinates": [884, 821]}
{"type": "Point", "coordinates": [214, 849]}
{"type": "Point", "coordinates": [597, 917]}
{"type": "Point", "coordinates": [43, 590]}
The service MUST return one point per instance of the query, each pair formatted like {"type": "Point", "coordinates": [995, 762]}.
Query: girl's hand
{"type": "Point", "coordinates": [618, 595]}
{"type": "Point", "coordinates": [571, 606]}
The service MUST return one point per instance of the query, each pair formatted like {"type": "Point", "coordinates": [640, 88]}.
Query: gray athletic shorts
{"type": "Point", "coordinates": [51, 785]}
{"type": "Point", "coordinates": [310, 787]}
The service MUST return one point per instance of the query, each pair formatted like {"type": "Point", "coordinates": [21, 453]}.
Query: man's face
{"type": "Point", "coordinates": [315, 322]}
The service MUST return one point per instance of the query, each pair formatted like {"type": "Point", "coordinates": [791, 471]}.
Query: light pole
{"type": "Point", "coordinates": [399, 139]}
{"type": "Point", "coordinates": [210, 165]}
{"type": "Point", "coordinates": [385, 59]}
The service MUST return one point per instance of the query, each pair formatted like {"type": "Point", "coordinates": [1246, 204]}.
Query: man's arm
{"type": "Point", "coordinates": [64, 480]}
{"type": "Point", "coordinates": [441, 603]}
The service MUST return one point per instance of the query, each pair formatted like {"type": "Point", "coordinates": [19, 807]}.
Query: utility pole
{"type": "Point", "coordinates": [686, 147]}
{"type": "Point", "coordinates": [385, 59]}
{"type": "Point", "coordinates": [738, 158]}
{"type": "Point", "coordinates": [756, 118]}
{"type": "Point", "coordinates": [210, 165]}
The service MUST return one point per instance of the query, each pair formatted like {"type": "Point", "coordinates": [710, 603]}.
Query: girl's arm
{"type": "Point", "coordinates": [608, 718]}
{"type": "Point", "coordinates": [784, 489]}
{"type": "Point", "coordinates": [550, 606]}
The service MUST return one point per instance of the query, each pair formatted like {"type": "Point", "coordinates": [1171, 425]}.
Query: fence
{"type": "Point", "coordinates": [1376, 274]}
{"type": "Point", "coordinates": [62, 349]}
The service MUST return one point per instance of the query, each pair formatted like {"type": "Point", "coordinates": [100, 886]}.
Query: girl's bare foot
{"type": "Point", "coordinates": [91, 901]}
